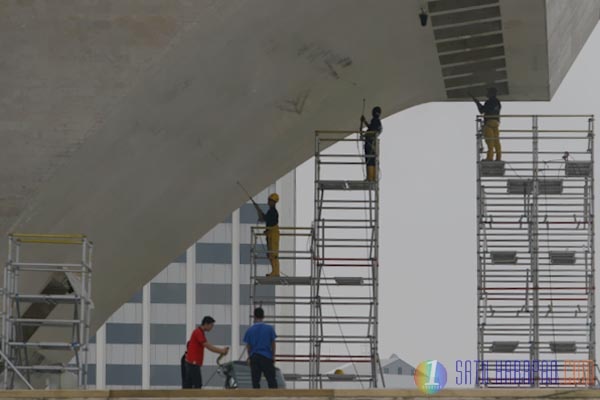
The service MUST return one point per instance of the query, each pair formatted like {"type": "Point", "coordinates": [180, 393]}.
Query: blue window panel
{"type": "Point", "coordinates": [245, 250]}
{"type": "Point", "coordinates": [217, 380]}
{"type": "Point", "coordinates": [91, 374]}
{"type": "Point", "coordinates": [213, 293]}
{"type": "Point", "coordinates": [261, 291]}
{"type": "Point", "coordinates": [220, 334]}
{"type": "Point", "coordinates": [167, 375]}
{"type": "Point", "coordinates": [213, 253]}
{"type": "Point", "coordinates": [123, 333]}
{"type": "Point", "coordinates": [167, 334]}
{"type": "Point", "coordinates": [167, 293]}
{"type": "Point", "coordinates": [243, 329]}
{"type": "Point", "coordinates": [248, 213]}
{"type": "Point", "coordinates": [117, 374]}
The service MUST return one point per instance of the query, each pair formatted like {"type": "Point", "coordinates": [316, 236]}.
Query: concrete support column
{"type": "Point", "coordinates": [190, 291]}
{"type": "Point", "coordinates": [101, 357]}
{"type": "Point", "coordinates": [235, 284]}
{"type": "Point", "coordinates": [146, 337]}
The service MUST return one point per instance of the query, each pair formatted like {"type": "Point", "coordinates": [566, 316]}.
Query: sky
{"type": "Point", "coordinates": [428, 248]}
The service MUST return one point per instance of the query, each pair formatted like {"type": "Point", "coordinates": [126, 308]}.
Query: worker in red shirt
{"type": "Point", "coordinates": [194, 357]}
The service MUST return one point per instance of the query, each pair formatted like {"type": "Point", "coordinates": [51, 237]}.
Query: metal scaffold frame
{"type": "Point", "coordinates": [336, 319]}
{"type": "Point", "coordinates": [22, 349]}
{"type": "Point", "coordinates": [536, 258]}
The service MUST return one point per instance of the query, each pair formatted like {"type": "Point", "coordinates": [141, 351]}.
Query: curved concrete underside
{"type": "Point", "coordinates": [122, 117]}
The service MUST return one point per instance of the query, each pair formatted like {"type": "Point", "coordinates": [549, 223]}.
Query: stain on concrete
{"type": "Point", "coordinates": [332, 70]}
{"type": "Point", "coordinates": [326, 60]}
{"type": "Point", "coordinates": [296, 104]}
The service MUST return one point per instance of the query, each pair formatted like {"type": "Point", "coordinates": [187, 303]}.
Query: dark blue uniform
{"type": "Point", "coordinates": [492, 107]}
{"type": "Point", "coordinates": [374, 128]}
{"type": "Point", "coordinates": [272, 217]}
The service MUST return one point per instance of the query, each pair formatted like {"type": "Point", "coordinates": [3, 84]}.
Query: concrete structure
{"type": "Point", "coordinates": [140, 345]}
{"type": "Point", "coordinates": [121, 118]}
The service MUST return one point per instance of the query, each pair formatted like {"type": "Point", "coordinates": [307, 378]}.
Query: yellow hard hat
{"type": "Point", "coordinates": [339, 372]}
{"type": "Point", "coordinates": [274, 197]}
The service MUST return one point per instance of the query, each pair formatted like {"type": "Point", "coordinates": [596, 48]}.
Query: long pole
{"type": "Point", "coordinates": [245, 191]}
{"type": "Point", "coordinates": [535, 344]}
{"type": "Point", "coordinates": [591, 251]}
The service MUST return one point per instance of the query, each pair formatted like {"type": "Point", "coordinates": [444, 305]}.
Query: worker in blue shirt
{"type": "Point", "coordinates": [374, 128]}
{"type": "Point", "coordinates": [260, 344]}
{"type": "Point", "coordinates": [491, 118]}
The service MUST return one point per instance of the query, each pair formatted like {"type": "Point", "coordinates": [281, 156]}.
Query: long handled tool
{"type": "Point", "coordinates": [258, 209]}
{"type": "Point", "coordinates": [362, 113]}
{"type": "Point", "coordinates": [245, 191]}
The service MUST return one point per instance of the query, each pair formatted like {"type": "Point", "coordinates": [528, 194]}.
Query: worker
{"type": "Point", "coordinates": [183, 362]}
{"type": "Point", "coordinates": [491, 118]}
{"type": "Point", "coordinates": [194, 357]}
{"type": "Point", "coordinates": [271, 220]}
{"type": "Point", "coordinates": [374, 128]}
{"type": "Point", "coordinates": [260, 345]}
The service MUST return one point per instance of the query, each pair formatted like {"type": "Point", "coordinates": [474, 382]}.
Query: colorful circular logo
{"type": "Point", "coordinates": [430, 376]}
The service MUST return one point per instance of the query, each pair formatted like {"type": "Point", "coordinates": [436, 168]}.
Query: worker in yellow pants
{"type": "Point", "coordinates": [272, 233]}
{"type": "Point", "coordinates": [271, 220]}
{"type": "Point", "coordinates": [491, 116]}
{"type": "Point", "coordinates": [491, 135]}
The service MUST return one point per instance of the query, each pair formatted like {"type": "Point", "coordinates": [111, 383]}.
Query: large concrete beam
{"type": "Point", "coordinates": [131, 121]}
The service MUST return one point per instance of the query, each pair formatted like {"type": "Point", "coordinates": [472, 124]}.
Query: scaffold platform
{"type": "Point", "coordinates": [334, 312]}
{"type": "Point", "coordinates": [535, 258]}
{"type": "Point", "coordinates": [24, 314]}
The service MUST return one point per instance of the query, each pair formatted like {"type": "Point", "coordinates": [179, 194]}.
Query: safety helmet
{"type": "Point", "coordinates": [377, 110]}
{"type": "Point", "coordinates": [274, 197]}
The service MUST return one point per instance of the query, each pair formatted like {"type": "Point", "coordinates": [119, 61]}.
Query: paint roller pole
{"type": "Point", "coordinates": [362, 114]}
{"type": "Point", "coordinates": [258, 210]}
{"type": "Point", "coordinates": [245, 191]}
{"type": "Point", "coordinates": [360, 132]}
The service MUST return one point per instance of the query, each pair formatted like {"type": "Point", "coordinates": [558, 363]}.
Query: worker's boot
{"type": "Point", "coordinates": [275, 268]}
{"type": "Point", "coordinates": [371, 173]}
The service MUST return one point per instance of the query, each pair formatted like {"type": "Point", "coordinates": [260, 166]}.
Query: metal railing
{"type": "Point", "coordinates": [535, 258]}
{"type": "Point", "coordinates": [25, 316]}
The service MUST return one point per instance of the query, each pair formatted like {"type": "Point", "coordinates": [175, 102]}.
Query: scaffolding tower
{"type": "Point", "coordinates": [335, 317]}
{"type": "Point", "coordinates": [535, 270]}
{"type": "Point", "coordinates": [30, 321]}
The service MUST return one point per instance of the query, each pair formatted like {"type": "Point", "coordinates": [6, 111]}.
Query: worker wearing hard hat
{"type": "Point", "coordinates": [491, 117]}
{"type": "Point", "coordinates": [271, 220]}
{"type": "Point", "coordinates": [374, 128]}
